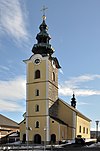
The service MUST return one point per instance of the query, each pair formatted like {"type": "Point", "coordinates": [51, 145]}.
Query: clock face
{"type": "Point", "coordinates": [37, 61]}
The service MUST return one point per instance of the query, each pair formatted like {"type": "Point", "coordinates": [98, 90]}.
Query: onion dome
{"type": "Point", "coordinates": [43, 47]}
{"type": "Point", "coordinates": [73, 102]}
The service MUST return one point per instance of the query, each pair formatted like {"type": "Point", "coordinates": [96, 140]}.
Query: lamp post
{"type": "Point", "coordinates": [44, 139]}
{"type": "Point", "coordinates": [97, 123]}
{"type": "Point", "coordinates": [28, 129]}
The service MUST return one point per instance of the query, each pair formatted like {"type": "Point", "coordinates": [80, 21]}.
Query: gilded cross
{"type": "Point", "coordinates": [43, 10]}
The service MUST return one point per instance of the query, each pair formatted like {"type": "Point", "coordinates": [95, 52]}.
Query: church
{"type": "Point", "coordinates": [48, 118]}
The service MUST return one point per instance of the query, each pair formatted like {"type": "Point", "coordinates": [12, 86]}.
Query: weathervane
{"type": "Point", "coordinates": [43, 10]}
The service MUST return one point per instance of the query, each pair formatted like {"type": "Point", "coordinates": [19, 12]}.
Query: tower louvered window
{"type": "Point", "coordinates": [37, 74]}
{"type": "Point", "coordinates": [36, 92]}
{"type": "Point", "coordinates": [37, 108]}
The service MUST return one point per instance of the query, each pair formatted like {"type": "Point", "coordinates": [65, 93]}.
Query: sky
{"type": "Point", "coordinates": [74, 27]}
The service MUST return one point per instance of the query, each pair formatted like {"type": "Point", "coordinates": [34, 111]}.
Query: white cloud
{"type": "Point", "coordinates": [14, 91]}
{"type": "Point", "coordinates": [10, 106]}
{"type": "Point", "coordinates": [83, 92]}
{"type": "Point", "coordinates": [11, 93]}
{"type": "Point", "coordinates": [12, 20]}
{"type": "Point", "coordinates": [82, 103]}
{"type": "Point", "coordinates": [82, 78]}
{"type": "Point", "coordinates": [4, 68]}
{"type": "Point", "coordinates": [94, 129]}
{"type": "Point", "coordinates": [75, 84]}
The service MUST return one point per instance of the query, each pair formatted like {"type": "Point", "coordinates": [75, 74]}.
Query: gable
{"type": "Point", "coordinates": [4, 121]}
{"type": "Point", "coordinates": [66, 113]}
{"type": "Point", "coordinates": [61, 111]}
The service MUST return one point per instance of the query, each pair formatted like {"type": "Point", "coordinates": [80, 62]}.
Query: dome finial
{"type": "Point", "coordinates": [43, 10]}
{"type": "Point", "coordinates": [73, 94]}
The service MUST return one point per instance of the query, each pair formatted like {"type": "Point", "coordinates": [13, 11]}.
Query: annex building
{"type": "Point", "coordinates": [7, 128]}
{"type": "Point", "coordinates": [48, 118]}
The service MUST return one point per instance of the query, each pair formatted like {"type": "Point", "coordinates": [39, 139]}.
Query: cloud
{"type": "Point", "coordinates": [76, 84]}
{"type": "Point", "coordinates": [4, 68]}
{"type": "Point", "coordinates": [12, 20]}
{"type": "Point", "coordinates": [10, 106]}
{"type": "Point", "coordinates": [80, 79]}
{"type": "Point", "coordinates": [82, 103]}
{"type": "Point", "coordinates": [12, 92]}
{"type": "Point", "coordinates": [94, 129]}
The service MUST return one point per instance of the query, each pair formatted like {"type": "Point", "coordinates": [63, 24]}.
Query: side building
{"type": "Point", "coordinates": [7, 127]}
{"type": "Point", "coordinates": [48, 118]}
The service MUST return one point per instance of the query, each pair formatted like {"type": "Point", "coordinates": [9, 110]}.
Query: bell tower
{"type": "Point", "coordinates": [73, 102]}
{"type": "Point", "coordinates": [41, 86]}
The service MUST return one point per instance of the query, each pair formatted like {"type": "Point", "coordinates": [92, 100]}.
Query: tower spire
{"type": "Point", "coordinates": [43, 47]}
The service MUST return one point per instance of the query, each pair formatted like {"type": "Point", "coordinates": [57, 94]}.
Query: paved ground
{"type": "Point", "coordinates": [56, 149]}
{"type": "Point", "coordinates": [67, 149]}
{"type": "Point", "coordinates": [74, 147]}
{"type": "Point", "coordinates": [79, 149]}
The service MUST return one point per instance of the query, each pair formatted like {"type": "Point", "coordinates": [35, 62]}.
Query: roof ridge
{"type": "Point", "coordinates": [74, 109]}
{"type": "Point", "coordinates": [6, 119]}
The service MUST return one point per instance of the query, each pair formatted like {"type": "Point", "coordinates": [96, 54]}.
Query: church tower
{"type": "Point", "coordinates": [41, 86]}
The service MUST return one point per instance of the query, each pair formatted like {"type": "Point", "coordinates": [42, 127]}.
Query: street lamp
{"type": "Point", "coordinates": [97, 123]}
{"type": "Point", "coordinates": [44, 138]}
{"type": "Point", "coordinates": [28, 129]}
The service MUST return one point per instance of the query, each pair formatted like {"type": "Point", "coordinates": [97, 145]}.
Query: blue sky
{"type": "Point", "coordinates": [74, 26]}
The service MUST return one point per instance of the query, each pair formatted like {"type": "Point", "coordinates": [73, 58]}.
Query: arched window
{"type": "Point", "coordinates": [87, 131]}
{"type": "Point", "coordinates": [79, 129]}
{"type": "Point", "coordinates": [36, 92]}
{"type": "Point", "coordinates": [37, 108]}
{"type": "Point", "coordinates": [53, 76]}
{"type": "Point", "coordinates": [83, 129]}
{"type": "Point", "coordinates": [37, 74]}
{"type": "Point", "coordinates": [37, 124]}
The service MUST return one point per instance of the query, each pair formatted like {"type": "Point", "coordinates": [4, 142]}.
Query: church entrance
{"type": "Point", "coordinates": [24, 138]}
{"type": "Point", "coordinates": [37, 139]}
{"type": "Point", "coordinates": [53, 138]}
